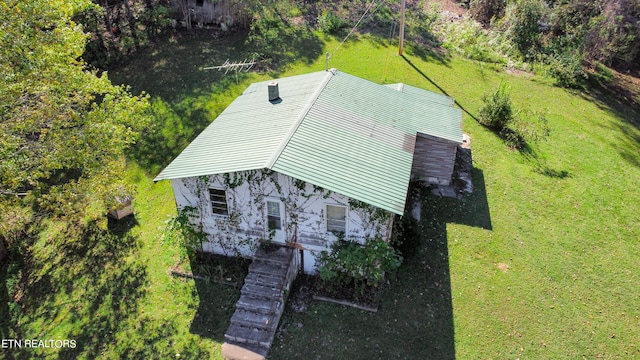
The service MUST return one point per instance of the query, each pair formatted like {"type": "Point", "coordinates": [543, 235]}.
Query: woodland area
{"type": "Point", "coordinates": [570, 36]}
{"type": "Point", "coordinates": [56, 104]}
{"type": "Point", "coordinates": [73, 143]}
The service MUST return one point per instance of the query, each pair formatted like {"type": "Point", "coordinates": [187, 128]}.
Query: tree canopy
{"type": "Point", "coordinates": [64, 128]}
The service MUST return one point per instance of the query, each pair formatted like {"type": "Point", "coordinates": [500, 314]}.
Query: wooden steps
{"type": "Point", "coordinates": [261, 304]}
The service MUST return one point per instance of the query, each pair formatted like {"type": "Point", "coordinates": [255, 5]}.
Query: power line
{"type": "Point", "coordinates": [356, 25]}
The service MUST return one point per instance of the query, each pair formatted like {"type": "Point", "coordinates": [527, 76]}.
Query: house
{"type": "Point", "coordinates": [308, 159]}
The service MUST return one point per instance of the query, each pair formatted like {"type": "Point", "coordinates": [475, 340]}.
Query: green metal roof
{"type": "Point", "coordinates": [248, 133]}
{"type": "Point", "coordinates": [422, 94]}
{"type": "Point", "coordinates": [332, 129]}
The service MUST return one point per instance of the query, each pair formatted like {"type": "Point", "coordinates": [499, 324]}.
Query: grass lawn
{"type": "Point", "coordinates": [540, 262]}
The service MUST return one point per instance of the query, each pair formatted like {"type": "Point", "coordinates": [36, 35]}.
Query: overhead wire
{"type": "Point", "coordinates": [358, 23]}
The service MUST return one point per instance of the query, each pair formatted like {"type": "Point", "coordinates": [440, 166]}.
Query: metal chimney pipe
{"type": "Point", "coordinates": [274, 93]}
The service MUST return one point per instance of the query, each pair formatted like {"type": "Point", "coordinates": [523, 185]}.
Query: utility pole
{"type": "Point", "coordinates": [402, 7]}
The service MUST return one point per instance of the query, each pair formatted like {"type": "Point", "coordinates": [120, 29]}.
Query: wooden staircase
{"type": "Point", "coordinates": [261, 304]}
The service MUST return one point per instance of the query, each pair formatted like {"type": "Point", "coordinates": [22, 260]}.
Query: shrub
{"type": "Point", "coordinates": [329, 23]}
{"type": "Point", "coordinates": [567, 68]}
{"type": "Point", "coordinates": [528, 126]}
{"type": "Point", "coordinates": [523, 19]}
{"type": "Point", "coordinates": [496, 113]}
{"type": "Point", "coordinates": [180, 231]}
{"type": "Point", "coordinates": [363, 265]}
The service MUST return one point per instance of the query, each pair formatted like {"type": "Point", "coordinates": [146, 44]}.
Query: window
{"type": "Point", "coordinates": [336, 219]}
{"type": "Point", "coordinates": [273, 215]}
{"type": "Point", "coordinates": [218, 201]}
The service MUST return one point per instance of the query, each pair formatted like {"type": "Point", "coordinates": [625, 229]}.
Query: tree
{"type": "Point", "coordinates": [524, 18]}
{"type": "Point", "coordinates": [64, 128]}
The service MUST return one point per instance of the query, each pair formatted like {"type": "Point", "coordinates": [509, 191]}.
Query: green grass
{"type": "Point", "coordinates": [540, 262]}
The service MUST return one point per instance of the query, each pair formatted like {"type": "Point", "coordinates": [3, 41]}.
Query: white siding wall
{"type": "Point", "coordinates": [304, 210]}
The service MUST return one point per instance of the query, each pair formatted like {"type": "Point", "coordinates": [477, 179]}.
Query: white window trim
{"type": "Point", "coordinates": [211, 202]}
{"type": "Point", "coordinates": [280, 208]}
{"type": "Point", "coordinates": [346, 219]}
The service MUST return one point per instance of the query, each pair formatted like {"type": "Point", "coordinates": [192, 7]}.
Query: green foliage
{"type": "Point", "coordinates": [156, 20]}
{"type": "Point", "coordinates": [233, 183]}
{"type": "Point", "coordinates": [121, 28]}
{"type": "Point", "coordinates": [496, 112]}
{"type": "Point", "coordinates": [523, 19]}
{"type": "Point", "coordinates": [329, 23]}
{"type": "Point", "coordinates": [65, 129]}
{"type": "Point", "coordinates": [364, 265]}
{"type": "Point", "coordinates": [602, 74]}
{"type": "Point", "coordinates": [376, 214]}
{"type": "Point", "coordinates": [274, 39]}
{"type": "Point", "coordinates": [518, 127]}
{"type": "Point", "coordinates": [614, 34]}
{"type": "Point", "coordinates": [420, 22]}
{"type": "Point", "coordinates": [527, 127]}
{"type": "Point", "coordinates": [181, 232]}
{"type": "Point", "coordinates": [470, 40]}
{"type": "Point", "coordinates": [567, 67]}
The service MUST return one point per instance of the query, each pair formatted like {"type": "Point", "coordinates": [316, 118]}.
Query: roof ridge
{"type": "Point", "coordinates": [294, 127]}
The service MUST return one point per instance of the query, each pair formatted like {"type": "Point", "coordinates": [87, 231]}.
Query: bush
{"type": "Point", "coordinates": [180, 231]}
{"type": "Point", "coordinates": [496, 113]}
{"type": "Point", "coordinates": [567, 68]}
{"type": "Point", "coordinates": [329, 23]}
{"type": "Point", "coordinates": [470, 40]}
{"type": "Point", "coordinates": [523, 19]}
{"type": "Point", "coordinates": [363, 265]}
{"type": "Point", "coordinates": [528, 126]}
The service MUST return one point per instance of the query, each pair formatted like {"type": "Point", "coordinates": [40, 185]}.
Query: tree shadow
{"type": "Point", "coordinates": [540, 165]}
{"type": "Point", "coordinates": [218, 288]}
{"type": "Point", "coordinates": [185, 98]}
{"type": "Point", "coordinates": [216, 306]}
{"type": "Point", "coordinates": [442, 90]}
{"type": "Point", "coordinates": [621, 97]}
{"type": "Point", "coordinates": [83, 277]}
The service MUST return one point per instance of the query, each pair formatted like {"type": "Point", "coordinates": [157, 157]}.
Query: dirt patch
{"type": "Point", "coordinates": [449, 6]}
{"type": "Point", "coordinates": [503, 267]}
{"type": "Point", "coordinates": [518, 72]}
{"type": "Point", "coordinates": [213, 267]}
{"type": "Point", "coordinates": [311, 287]}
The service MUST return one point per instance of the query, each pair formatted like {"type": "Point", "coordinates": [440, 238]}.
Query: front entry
{"type": "Point", "coordinates": [275, 221]}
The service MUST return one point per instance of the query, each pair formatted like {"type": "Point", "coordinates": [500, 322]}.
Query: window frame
{"type": "Point", "coordinates": [216, 204]}
{"type": "Point", "coordinates": [327, 220]}
{"type": "Point", "coordinates": [269, 216]}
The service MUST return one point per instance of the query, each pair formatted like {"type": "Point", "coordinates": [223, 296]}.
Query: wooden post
{"type": "Point", "coordinates": [402, 8]}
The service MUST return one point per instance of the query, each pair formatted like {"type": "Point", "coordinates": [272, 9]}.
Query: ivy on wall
{"type": "Point", "coordinates": [247, 191]}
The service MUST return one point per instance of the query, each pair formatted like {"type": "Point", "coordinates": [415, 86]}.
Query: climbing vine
{"type": "Point", "coordinates": [376, 214]}
{"type": "Point", "coordinates": [181, 231]}
{"type": "Point", "coordinates": [233, 183]}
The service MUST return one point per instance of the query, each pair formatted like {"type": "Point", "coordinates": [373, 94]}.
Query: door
{"type": "Point", "coordinates": [275, 221]}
